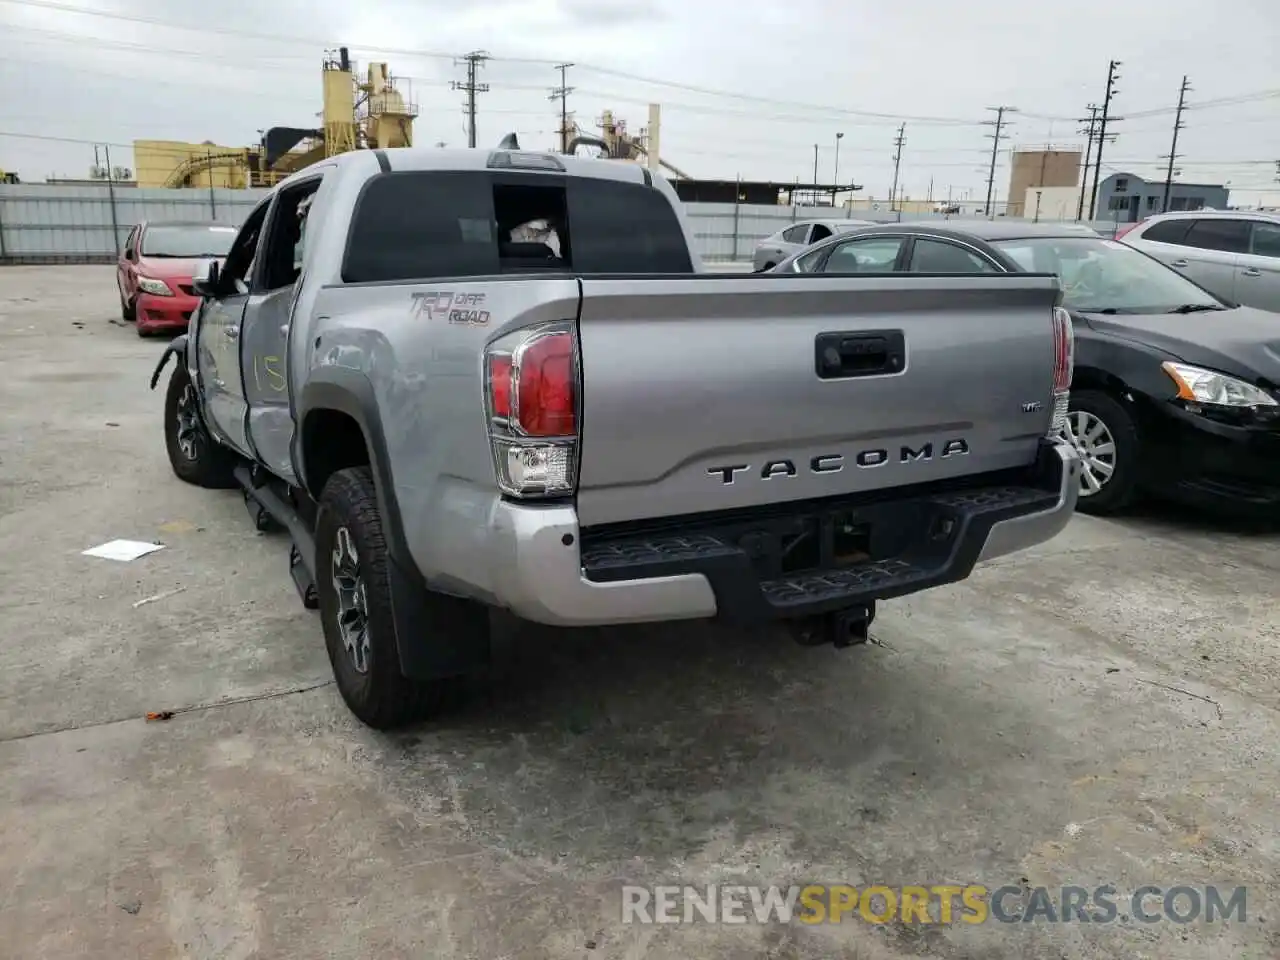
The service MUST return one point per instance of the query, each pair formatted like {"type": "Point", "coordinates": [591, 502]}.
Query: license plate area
{"type": "Point", "coordinates": [829, 540]}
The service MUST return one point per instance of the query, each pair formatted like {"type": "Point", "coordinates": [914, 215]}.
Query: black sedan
{"type": "Point", "coordinates": [1175, 391]}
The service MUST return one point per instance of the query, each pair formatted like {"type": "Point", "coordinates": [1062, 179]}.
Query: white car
{"type": "Point", "coordinates": [773, 250]}
{"type": "Point", "coordinates": [1232, 253]}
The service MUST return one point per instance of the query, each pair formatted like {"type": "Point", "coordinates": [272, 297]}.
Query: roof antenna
{"type": "Point", "coordinates": [509, 142]}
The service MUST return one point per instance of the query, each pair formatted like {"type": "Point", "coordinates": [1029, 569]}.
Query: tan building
{"type": "Point", "coordinates": [1052, 203]}
{"type": "Point", "coordinates": [1043, 167]}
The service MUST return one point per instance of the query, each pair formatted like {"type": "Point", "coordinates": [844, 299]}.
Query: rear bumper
{"type": "Point", "coordinates": [164, 313]}
{"type": "Point", "coordinates": [735, 568]}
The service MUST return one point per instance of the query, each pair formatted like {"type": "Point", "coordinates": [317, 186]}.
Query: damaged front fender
{"type": "Point", "coordinates": [177, 347]}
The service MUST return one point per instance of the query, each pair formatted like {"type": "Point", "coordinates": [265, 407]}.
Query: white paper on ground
{"type": "Point", "coordinates": [122, 550]}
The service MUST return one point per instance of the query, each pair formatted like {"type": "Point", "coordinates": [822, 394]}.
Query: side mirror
{"type": "Point", "coordinates": [206, 281]}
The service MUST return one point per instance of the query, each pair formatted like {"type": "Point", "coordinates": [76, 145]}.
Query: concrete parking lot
{"type": "Point", "coordinates": [1102, 710]}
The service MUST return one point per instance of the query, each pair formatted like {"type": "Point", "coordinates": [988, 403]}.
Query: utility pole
{"type": "Point", "coordinates": [1112, 76]}
{"type": "Point", "coordinates": [474, 61]}
{"type": "Point", "coordinates": [1173, 147]}
{"type": "Point", "coordinates": [996, 137]}
{"type": "Point", "coordinates": [835, 175]}
{"type": "Point", "coordinates": [898, 141]}
{"type": "Point", "coordinates": [111, 198]}
{"type": "Point", "coordinates": [1091, 131]}
{"type": "Point", "coordinates": [815, 174]}
{"type": "Point", "coordinates": [213, 207]}
{"type": "Point", "coordinates": [561, 93]}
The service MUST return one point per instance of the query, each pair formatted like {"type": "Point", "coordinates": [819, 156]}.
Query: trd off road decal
{"type": "Point", "coordinates": [464, 309]}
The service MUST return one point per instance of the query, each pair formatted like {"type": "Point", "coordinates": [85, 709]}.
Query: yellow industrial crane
{"type": "Point", "coordinates": [616, 144]}
{"type": "Point", "coordinates": [356, 114]}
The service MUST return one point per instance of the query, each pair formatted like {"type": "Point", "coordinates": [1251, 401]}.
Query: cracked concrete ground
{"type": "Point", "coordinates": [1104, 709]}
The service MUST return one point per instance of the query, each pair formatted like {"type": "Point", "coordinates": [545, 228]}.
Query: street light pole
{"type": "Point", "coordinates": [835, 176]}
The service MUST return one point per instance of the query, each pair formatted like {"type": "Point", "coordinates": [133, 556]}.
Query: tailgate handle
{"type": "Point", "coordinates": [864, 353]}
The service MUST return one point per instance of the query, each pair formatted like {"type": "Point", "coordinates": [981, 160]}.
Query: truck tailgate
{"type": "Point", "coordinates": [716, 393]}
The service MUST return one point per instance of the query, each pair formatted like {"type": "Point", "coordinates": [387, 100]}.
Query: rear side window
{"type": "Point", "coordinates": [420, 225]}
{"type": "Point", "coordinates": [624, 228]}
{"type": "Point", "coordinates": [1266, 240]}
{"type": "Point", "coordinates": [936, 256]}
{"type": "Point", "coordinates": [796, 234]}
{"type": "Point", "coordinates": [1229, 236]}
{"type": "Point", "coordinates": [1168, 231]}
{"type": "Point", "coordinates": [415, 225]}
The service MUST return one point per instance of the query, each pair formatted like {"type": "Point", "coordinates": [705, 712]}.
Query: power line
{"type": "Point", "coordinates": [1103, 118]}
{"type": "Point", "coordinates": [1173, 147]}
{"type": "Point", "coordinates": [898, 142]}
{"type": "Point", "coordinates": [995, 137]}
{"type": "Point", "coordinates": [205, 29]}
{"type": "Point", "coordinates": [474, 61]}
{"type": "Point", "coordinates": [431, 54]}
{"type": "Point", "coordinates": [561, 93]}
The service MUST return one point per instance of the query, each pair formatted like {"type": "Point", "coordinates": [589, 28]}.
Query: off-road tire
{"type": "Point", "coordinates": [1119, 492]}
{"type": "Point", "coordinates": [213, 464]}
{"type": "Point", "coordinates": [382, 697]}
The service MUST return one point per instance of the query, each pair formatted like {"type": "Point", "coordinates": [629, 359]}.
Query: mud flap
{"type": "Point", "coordinates": [437, 636]}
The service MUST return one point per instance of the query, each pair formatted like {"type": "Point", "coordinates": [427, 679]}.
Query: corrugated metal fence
{"type": "Point", "coordinates": [88, 224]}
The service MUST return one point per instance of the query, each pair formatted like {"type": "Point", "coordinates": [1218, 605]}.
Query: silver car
{"type": "Point", "coordinates": [773, 250]}
{"type": "Point", "coordinates": [1234, 254]}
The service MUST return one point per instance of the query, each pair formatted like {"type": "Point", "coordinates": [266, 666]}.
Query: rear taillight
{"type": "Point", "coordinates": [1064, 358]}
{"type": "Point", "coordinates": [531, 392]}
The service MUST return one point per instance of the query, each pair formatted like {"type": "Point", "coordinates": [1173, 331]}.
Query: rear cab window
{"type": "Point", "coordinates": [416, 225]}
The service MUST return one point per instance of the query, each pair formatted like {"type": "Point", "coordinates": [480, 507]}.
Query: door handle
{"type": "Point", "coordinates": [231, 333]}
{"type": "Point", "coordinates": [1251, 272]}
{"type": "Point", "coordinates": [870, 353]}
{"type": "Point", "coordinates": [1178, 263]}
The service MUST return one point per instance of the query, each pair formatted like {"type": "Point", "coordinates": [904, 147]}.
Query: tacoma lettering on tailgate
{"type": "Point", "coordinates": [835, 462]}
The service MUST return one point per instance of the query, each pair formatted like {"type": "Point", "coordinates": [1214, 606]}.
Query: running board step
{"type": "Point", "coordinates": [262, 502]}
{"type": "Point", "coordinates": [302, 579]}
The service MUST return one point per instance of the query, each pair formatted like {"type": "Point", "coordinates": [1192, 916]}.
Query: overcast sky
{"type": "Point", "coordinates": [747, 87]}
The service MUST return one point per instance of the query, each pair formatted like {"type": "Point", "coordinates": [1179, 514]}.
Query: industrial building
{"type": "Point", "coordinates": [356, 114]}
{"type": "Point", "coordinates": [1126, 198]}
{"type": "Point", "coordinates": [1046, 166]}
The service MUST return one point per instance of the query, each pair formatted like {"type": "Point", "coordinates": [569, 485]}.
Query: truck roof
{"type": "Point", "coordinates": [465, 158]}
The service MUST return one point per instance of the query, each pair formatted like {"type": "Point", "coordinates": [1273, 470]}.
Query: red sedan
{"type": "Point", "coordinates": [154, 272]}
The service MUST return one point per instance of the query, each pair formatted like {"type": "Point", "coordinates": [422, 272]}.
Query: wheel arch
{"type": "Point", "coordinates": [435, 639]}
{"type": "Point", "coordinates": [1095, 378]}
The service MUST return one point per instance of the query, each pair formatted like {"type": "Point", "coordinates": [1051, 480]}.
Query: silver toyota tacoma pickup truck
{"type": "Point", "coordinates": [473, 379]}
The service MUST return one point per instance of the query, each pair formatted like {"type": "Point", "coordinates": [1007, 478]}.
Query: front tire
{"type": "Point", "coordinates": [354, 591]}
{"type": "Point", "coordinates": [193, 454]}
{"type": "Point", "coordinates": [1106, 437]}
